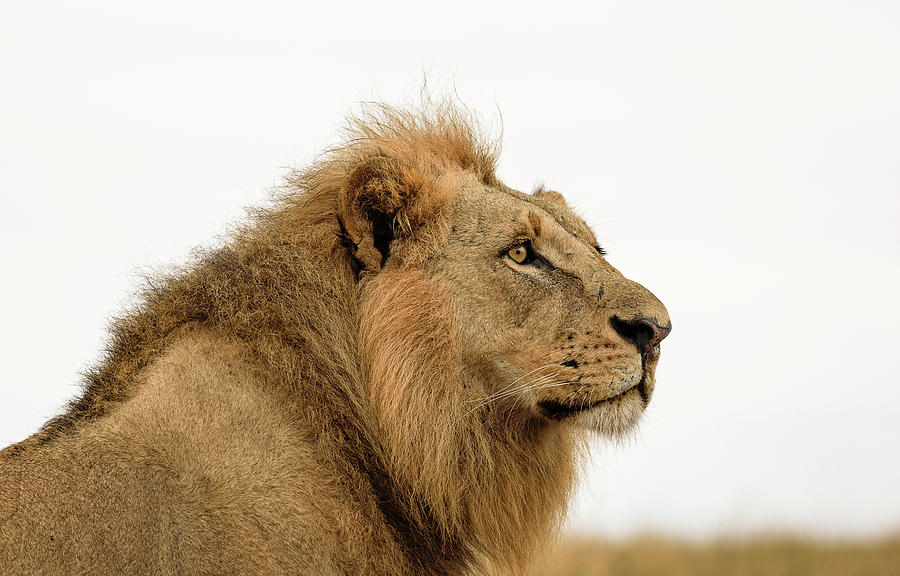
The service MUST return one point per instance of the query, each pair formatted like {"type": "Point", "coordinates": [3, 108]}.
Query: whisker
{"type": "Point", "coordinates": [514, 382]}
{"type": "Point", "coordinates": [507, 391]}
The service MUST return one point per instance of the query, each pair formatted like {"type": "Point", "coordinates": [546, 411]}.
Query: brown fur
{"type": "Point", "coordinates": [356, 383]}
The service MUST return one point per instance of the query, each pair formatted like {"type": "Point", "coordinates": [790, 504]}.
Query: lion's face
{"type": "Point", "coordinates": [550, 330]}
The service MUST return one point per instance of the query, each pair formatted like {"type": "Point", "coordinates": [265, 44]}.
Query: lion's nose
{"type": "Point", "coordinates": [644, 332]}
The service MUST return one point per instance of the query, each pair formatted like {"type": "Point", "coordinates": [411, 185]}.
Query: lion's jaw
{"type": "Point", "coordinates": [612, 411]}
{"type": "Point", "coordinates": [605, 386]}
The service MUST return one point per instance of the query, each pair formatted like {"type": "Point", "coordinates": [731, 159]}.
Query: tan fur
{"type": "Point", "coordinates": [360, 381]}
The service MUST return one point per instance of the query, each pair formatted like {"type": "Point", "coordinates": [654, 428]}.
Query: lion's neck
{"type": "Point", "coordinates": [501, 505]}
{"type": "Point", "coordinates": [468, 480]}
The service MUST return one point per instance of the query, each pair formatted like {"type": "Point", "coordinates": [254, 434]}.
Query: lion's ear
{"type": "Point", "coordinates": [551, 196]}
{"type": "Point", "coordinates": [380, 202]}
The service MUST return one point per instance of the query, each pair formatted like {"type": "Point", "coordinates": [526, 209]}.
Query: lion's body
{"type": "Point", "coordinates": [202, 471]}
{"type": "Point", "coordinates": [316, 397]}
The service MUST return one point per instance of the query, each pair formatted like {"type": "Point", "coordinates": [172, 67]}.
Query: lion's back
{"type": "Point", "coordinates": [201, 471]}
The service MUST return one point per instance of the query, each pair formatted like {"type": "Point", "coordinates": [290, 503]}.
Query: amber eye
{"type": "Point", "coordinates": [520, 254]}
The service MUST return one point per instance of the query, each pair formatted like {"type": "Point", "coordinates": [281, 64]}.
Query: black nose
{"type": "Point", "coordinates": [645, 333]}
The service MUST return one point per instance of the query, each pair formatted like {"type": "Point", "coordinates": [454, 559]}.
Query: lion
{"type": "Point", "coordinates": [388, 370]}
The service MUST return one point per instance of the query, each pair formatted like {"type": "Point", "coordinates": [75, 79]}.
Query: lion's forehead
{"type": "Point", "coordinates": [489, 212]}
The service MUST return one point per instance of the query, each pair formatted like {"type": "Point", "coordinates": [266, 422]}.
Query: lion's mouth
{"type": "Point", "coordinates": [556, 410]}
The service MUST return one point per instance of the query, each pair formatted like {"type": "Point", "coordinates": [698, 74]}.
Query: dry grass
{"type": "Point", "coordinates": [771, 556]}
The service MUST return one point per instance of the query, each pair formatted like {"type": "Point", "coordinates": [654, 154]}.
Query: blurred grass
{"type": "Point", "coordinates": [770, 556]}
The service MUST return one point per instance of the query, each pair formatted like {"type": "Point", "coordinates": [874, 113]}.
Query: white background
{"type": "Point", "coordinates": [740, 159]}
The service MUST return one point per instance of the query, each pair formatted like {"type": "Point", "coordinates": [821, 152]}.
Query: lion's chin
{"type": "Point", "coordinates": [615, 416]}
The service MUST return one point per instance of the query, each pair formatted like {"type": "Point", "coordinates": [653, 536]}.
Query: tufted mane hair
{"type": "Point", "coordinates": [368, 358]}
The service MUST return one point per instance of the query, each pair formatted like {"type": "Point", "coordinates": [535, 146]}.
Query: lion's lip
{"type": "Point", "coordinates": [558, 411]}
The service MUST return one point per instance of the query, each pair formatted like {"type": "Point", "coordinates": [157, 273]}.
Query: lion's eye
{"type": "Point", "coordinates": [521, 253]}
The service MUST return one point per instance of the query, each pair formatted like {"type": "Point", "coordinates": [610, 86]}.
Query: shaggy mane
{"type": "Point", "coordinates": [245, 287]}
{"type": "Point", "coordinates": [360, 357]}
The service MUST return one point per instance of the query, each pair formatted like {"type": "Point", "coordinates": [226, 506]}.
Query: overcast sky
{"type": "Point", "coordinates": [742, 160]}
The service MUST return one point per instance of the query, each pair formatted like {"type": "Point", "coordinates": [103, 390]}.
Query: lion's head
{"type": "Point", "coordinates": [543, 328]}
{"type": "Point", "coordinates": [509, 291]}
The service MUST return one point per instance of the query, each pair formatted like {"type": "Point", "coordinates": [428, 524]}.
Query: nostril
{"type": "Point", "coordinates": [643, 332]}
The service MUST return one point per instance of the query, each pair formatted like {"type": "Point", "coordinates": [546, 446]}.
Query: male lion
{"type": "Point", "coordinates": [387, 372]}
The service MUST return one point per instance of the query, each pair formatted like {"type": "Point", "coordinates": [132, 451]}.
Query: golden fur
{"type": "Point", "coordinates": [361, 381]}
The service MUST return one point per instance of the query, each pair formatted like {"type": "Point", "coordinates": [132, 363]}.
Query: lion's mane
{"type": "Point", "coordinates": [368, 362]}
